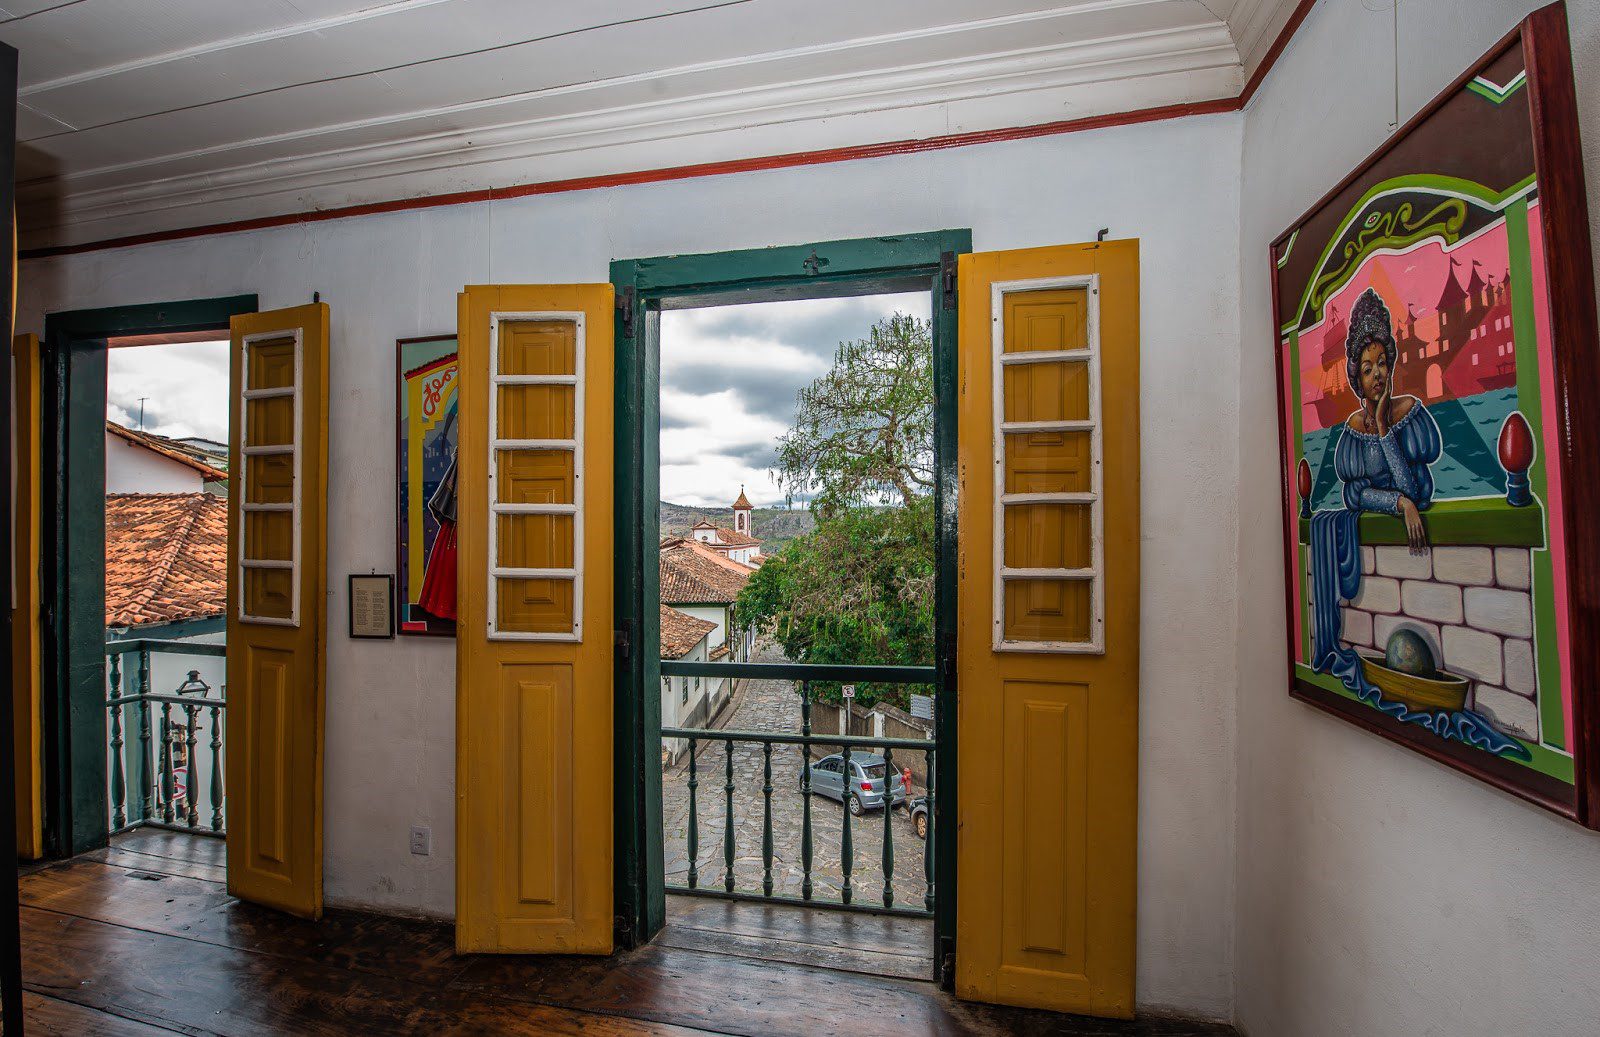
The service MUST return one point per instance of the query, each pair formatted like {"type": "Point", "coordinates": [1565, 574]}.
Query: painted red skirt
{"type": "Point", "coordinates": [439, 578]}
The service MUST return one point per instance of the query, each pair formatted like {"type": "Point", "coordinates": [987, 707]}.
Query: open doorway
{"type": "Point", "coordinates": [166, 589]}
{"type": "Point", "coordinates": [102, 719]}
{"type": "Point", "coordinates": [797, 477]}
{"type": "Point", "coordinates": [795, 424]}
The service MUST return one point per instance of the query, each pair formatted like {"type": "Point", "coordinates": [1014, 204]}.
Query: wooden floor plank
{"type": "Point", "coordinates": [890, 934]}
{"type": "Point", "coordinates": [773, 999]}
{"type": "Point", "coordinates": [179, 846]}
{"type": "Point", "coordinates": [203, 911]}
{"type": "Point", "coordinates": [50, 1017]}
{"type": "Point", "coordinates": [176, 951]}
{"type": "Point", "coordinates": [136, 861]}
{"type": "Point", "coordinates": [844, 958]}
{"type": "Point", "coordinates": [196, 987]}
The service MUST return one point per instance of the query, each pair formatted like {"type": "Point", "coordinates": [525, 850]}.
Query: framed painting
{"type": "Point", "coordinates": [425, 411]}
{"type": "Point", "coordinates": [1435, 322]}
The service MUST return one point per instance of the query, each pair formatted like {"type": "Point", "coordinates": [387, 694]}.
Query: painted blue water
{"type": "Point", "coordinates": [1469, 467]}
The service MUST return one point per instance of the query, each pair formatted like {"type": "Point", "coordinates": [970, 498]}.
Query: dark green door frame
{"type": "Point", "coordinates": [72, 580]}
{"type": "Point", "coordinates": [859, 266]}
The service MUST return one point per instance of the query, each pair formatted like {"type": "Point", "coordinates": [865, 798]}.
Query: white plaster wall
{"type": "Point", "coordinates": [1175, 185]}
{"type": "Point", "coordinates": [131, 469]}
{"type": "Point", "coordinates": [1380, 893]}
{"type": "Point", "coordinates": [717, 614]}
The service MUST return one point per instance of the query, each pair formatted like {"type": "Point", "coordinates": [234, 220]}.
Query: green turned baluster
{"type": "Point", "coordinates": [191, 793]}
{"type": "Point", "coordinates": [805, 791]}
{"type": "Point", "coordinates": [119, 787]}
{"type": "Point", "coordinates": [888, 827]}
{"type": "Point", "coordinates": [847, 850]}
{"type": "Point", "coordinates": [766, 820]}
{"type": "Point", "coordinates": [144, 736]}
{"type": "Point", "coordinates": [927, 846]}
{"type": "Point", "coordinates": [167, 791]}
{"type": "Point", "coordinates": [216, 768]}
{"type": "Point", "coordinates": [727, 821]}
{"type": "Point", "coordinates": [694, 822]}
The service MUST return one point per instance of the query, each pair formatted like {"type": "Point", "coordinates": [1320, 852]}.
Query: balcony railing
{"type": "Point", "coordinates": [155, 741]}
{"type": "Point", "coordinates": [877, 901]}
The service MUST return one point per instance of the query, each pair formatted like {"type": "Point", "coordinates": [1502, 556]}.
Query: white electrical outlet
{"type": "Point", "coordinates": [421, 840]}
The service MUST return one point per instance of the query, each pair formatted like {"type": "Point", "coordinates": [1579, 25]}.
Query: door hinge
{"type": "Point", "coordinates": [620, 639]}
{"type": "Point", "coordinates": [625, 308]}
{"type": "Point", "coordinates": [947, 279]}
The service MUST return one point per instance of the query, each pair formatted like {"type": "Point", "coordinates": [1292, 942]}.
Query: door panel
{"type": "Point", "coordinates": [25, 645]}
{"type": "Point", "coordinates": [1048, 638]}
{"type": "Point", "coordinates": [534, 638]}
{"type": "Point", "coordinates": [277, 562]}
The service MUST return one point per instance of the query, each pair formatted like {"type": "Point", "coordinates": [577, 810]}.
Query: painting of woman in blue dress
{"type": "Point", "coordinates": [1383, 458]}
{"type": "Point", "coordinates": [1385, 448]}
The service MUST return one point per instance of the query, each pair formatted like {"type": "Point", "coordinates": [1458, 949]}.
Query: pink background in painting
{"type": "Point", "coordinates": [1416, 276]}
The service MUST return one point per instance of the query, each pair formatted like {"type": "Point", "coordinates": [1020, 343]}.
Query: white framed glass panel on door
{"type": "Point", "coordinates": [1049, 585]}
{"type": "Point", "coordinates": [535, 536]}
{"type": "Point", "coordinates": [269, 515]}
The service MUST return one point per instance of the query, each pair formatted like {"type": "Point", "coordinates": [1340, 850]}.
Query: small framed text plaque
{"type": "Point", "coordinates": [372, 606]}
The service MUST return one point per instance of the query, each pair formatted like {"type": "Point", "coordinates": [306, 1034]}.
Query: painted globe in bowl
{"type": "Point", "coordinates": [1407, 652]}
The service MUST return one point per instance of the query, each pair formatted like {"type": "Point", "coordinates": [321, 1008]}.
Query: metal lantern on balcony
{"type": "Point", "coordinates": [194, 686]}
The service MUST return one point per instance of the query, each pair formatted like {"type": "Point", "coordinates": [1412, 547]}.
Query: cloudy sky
{"type": "Point", "coordinates": [729, 375]}
{"type": "Point", "coordinates": [186, 384]}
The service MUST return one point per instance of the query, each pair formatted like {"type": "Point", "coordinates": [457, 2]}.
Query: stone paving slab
{"type": "Point", "coordinates": [770, 705]}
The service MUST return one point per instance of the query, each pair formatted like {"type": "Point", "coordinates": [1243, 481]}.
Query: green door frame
{"type": "Point", "coordinates": [858, 266]}
{"type": "Point", "coordinates": [73, 481]}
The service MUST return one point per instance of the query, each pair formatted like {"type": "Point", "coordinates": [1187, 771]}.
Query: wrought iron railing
{"type": "Point", "coordinates": [804, 675]}
{"type": "Point", "coordinates": [160, 761]}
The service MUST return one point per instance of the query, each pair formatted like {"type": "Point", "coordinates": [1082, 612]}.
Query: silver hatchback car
{"type": "Point", "coordinates": [864, 789]}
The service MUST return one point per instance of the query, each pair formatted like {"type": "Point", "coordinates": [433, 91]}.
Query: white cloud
{"type": "Point", "coordinates": [185, 386]}
{"type": "Point", "coordinates": [729, 376]}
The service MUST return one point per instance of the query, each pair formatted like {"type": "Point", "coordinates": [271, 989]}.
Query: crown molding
{"type": "Point", "coordinates": [1037, 84]}
{"type": "Point", "coordinates": [1175, 71]}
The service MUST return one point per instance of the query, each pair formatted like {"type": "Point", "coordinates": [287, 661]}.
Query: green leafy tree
{"type": "Point", "coordinates": [860, 587]}
{"type": "Point", "coordinates": [863, 432]}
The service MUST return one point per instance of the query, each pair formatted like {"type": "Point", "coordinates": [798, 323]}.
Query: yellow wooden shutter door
{"type": "Point", "coordinates": [25, 589]}
{"type": "Point", "coordinates": [277, 590]}
{"type": "Point", "coordinates": [534, 528]}
{"type": "Point", "coordinates": [1048, 648]}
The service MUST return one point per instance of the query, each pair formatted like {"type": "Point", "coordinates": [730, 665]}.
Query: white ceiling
{"type": "Point", "coordinates": [146, 115]}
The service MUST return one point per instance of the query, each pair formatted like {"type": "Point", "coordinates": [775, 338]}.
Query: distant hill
{"type": "Point", "coordinates": [773, 526]}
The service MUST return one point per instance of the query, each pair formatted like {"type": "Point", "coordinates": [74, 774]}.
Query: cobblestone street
{"type": "Point", "coordinates": [775, 706]}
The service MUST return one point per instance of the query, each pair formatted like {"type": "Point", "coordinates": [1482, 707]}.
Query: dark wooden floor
{"type": "Point", "coordinates": [143, 939]}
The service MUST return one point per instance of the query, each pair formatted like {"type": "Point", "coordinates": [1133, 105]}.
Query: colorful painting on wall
{"type": "Point", "coordinates": [1434, 314]}
{"type": "Point", "coordinates": [426, 467]}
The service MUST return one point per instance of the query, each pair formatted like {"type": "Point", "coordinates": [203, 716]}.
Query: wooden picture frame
{"type": "Point", "coordinates": [419, 365]}
{"type": "Point", "coordinates": [362, 625]}
{"type": "Point", "coordinates": [1471, 627]}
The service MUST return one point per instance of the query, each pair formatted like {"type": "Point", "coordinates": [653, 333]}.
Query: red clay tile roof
{"type": "Point", "coordinates": [743, 501]}
{"type": "Point", "coordinates": [693, 574]}
{"type": "Point", "coordinates": [681, 632]}
{"type": "Point", "coordinates": [167, 449]}
{"type": "Point", "coordinates": [733, 538]}
{"type": "Point", "coordinates": [166, 557]}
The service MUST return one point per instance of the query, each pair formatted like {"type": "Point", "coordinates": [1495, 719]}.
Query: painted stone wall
{"type": "Point", "coordinates": [1474, 607]}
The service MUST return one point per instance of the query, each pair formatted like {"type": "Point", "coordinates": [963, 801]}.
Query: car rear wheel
{"type": "Point", "coordinates": [855, 805]}
{"type": "Point", "coordinates": [919, 820]}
